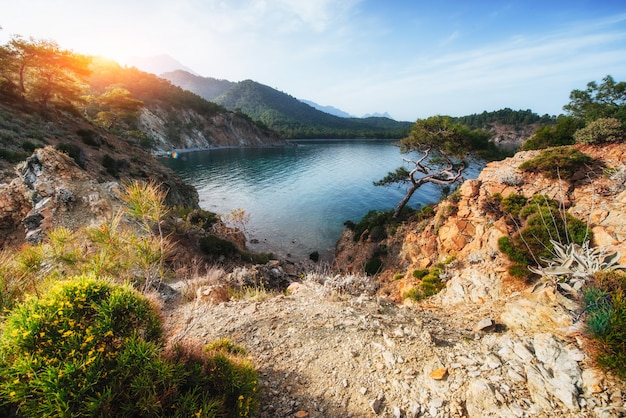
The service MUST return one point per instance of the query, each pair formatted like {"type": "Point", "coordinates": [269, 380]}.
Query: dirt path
{"type": "Point", "coordinates": [323, 355]}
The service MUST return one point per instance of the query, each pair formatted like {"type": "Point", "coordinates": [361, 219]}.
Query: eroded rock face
{"type": "Point", "coordinates": [222, 130]}
{"type": "Point", "coordinates": [49, 191]}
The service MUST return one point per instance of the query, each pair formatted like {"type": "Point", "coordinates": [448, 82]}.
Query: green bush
{"type": "Point", "coordinates": [513, 204]}
{"type": "Point", "coordinates": [74, 151]}
{"type": "Point", "coordinates": [605, 303]}
{"type": "Point", "coordinates": [374, 224]}
{"type": "Point", "coordinates": [12, 156]}
{"type": "Point", "coordinates": [559, 134]}
{"type": "Point", "coordinates": [539, 221]}
{"type": "Point", "coordinates": [88, 137]}
{"type": "Point", "coordinates": [217, 247]}
{"type": "Point", "coordinates": [91, 348]}
{"type": "Point", "coordinates": [601, 131]}
{"type": "Point", "coordinates": [555, 163]}
{"type": "Point", "coordinates": [29, 146]}
{"type": "Point", "coordinates": [419, 273]}
{"type": "Point", "coordinates": [80, 349]}
{"type": "Point", "coordinates": [373, 266]}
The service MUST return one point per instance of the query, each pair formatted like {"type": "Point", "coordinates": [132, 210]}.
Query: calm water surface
{"type": "Point", "coordinates": [298, 197]}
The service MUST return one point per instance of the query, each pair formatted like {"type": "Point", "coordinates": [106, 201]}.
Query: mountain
{"type": "Point", "coordinates": [206, 87]}
{"type": "Point", "coordinates": [378, 115]}
{"type": "Point", "coordinates": [157, 64]}
{"type": "Point", "coordinates": [328, 109]}
{"type": "Point", "coordinates": [284, 113]}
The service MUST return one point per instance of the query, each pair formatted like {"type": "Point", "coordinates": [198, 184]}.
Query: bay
{"type": "Point", "coordinates": [298, 196]}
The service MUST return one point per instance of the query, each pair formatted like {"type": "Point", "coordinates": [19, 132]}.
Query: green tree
{"type": "Point", "coordinates": [605, 100]}
{"type": "Point", "coordinates": [117, 104]}
{"type": "Point", "coordinates": [442, 146]}
{"type": "Point", "coordinates": [561, 133]}
{"type": "Point", "coordinates": [40, 72]}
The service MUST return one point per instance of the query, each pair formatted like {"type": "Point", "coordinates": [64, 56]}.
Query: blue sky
{"type": "Point", "coordinates": [412, 59]}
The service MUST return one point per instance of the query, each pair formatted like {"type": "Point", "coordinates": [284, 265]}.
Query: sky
{"type": "Point", "coordinates": [410, 58]}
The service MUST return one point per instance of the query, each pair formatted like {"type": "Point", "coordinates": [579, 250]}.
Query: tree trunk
{"type": "Point", "coordinates": [407, 197]}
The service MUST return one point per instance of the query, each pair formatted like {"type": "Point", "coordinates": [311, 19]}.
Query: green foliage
{"type": "Point", "coordinates": [419, 273]}
{"type": "Point", "coordinates": [504, 116]}
{"type": "Point", "coordinates": [90, 348]}
{"type": "Point", "coordinates": [520, 271]}
{"type": "Point", "coordinates": [601, 131]}
{"type": "Point", "coordinates": [373, 266]}
{"type": "Point", "coordinates": [373, 225]}
{"type": "Point", "coordinates": [513, 204]}
{"type": "Point", "coordinates": [605, 303]}
{"type": "Point", "coordinates": [606, 100]}
{"type": "Point", "coordinates": [29, 146]}
{"type": "Point", "coordinates": [74, 151]}
{"type": "Point", "coordinates": [88, 137]}
{"type": "Point", "coordinates": [84, 338]}
{"type": "Point", "coordinates": [294, 119]}
{"type": "Point", "coordinates": [453, 139]}
{"type": "Point", "coordinates": [200, 217]}
{"type": "Point", "coordinates": [12, 156]}
{"type": "Point", "coordinates": [216, 247]}
{"type": "Point", "coordinates": [559, 134]}
{"type": "Point", "coordinates": [538, 222]}
{"type": "Point", "coordinates": [39, 72]}
{"type": "Point", "coordinates": [555, 163]}
{"type": "Point", "coordinates": [398, 276]}
{"type": "Point", "coordinates": [431, 283]}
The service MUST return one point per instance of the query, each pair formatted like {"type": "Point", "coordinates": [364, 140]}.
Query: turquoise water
{"type": "Point", "coordinates": [298, 197]}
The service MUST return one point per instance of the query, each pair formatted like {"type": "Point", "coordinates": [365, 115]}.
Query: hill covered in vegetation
{"type": "Point", "coordinates": [284, 113]}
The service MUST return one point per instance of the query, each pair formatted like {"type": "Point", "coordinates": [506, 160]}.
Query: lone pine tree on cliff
{"type": "Point", "coordinates": [442, 147]}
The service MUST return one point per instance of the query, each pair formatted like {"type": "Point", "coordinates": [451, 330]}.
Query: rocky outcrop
{"type": "Point", "coordinates": [539, 346]}
{"type": "Point", "coordinates": [51, 190]}
{"type": "Point", "coordinates": [185, 129]}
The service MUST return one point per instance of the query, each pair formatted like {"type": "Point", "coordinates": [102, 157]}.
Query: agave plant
{"type": "Point", "coordinates": [573, 264]}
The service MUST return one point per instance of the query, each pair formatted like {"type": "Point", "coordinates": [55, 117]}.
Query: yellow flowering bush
{"type": "Point", "coordinates": [93, 348]}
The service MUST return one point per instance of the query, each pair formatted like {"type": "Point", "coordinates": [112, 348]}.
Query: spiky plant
{"type": "Point", "coordinates": [572, 265]}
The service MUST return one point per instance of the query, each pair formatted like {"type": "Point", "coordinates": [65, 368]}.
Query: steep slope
{"type": "Point", "coordinates": [206, 87]}
{"type": "Point", "coordinates": [284, 113]}
{"type": "Point", "coordinates": [175, 119]}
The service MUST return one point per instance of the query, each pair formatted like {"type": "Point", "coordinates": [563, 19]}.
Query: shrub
{"type": "Point", "coordinates": [29, 146]}
{"type": "Point", "coordinates": [562, 133]}
{"type": "Point", "coordinates": [91, 348]}
{"type": "Point", "coordinates": [601, 131]}
{"type": "Point", "coordinates": [413, 293]}
{"type": "Point", "coordinates": [605, 303]}
{"type": "Point", "coordinates": [555, 163]}
{"type": "Point", "coordinates": [12, 156]}
{"type": "Point", "coordinates": [374, 224]}
{"type": "Point", "coordinates": [419, 273]}
{"type": "Point", "coordinates": [513, 204]}
{"type": "Point", "coordinates": [431, 283]}
{"type": "Point", "coordinates": [539, 222]}
{"type": "Point", "coordinates": [373, 266]}
{"type": "Point", "coordinates": [74, 151]}
{"type": "Point", "coordinates": [217, 247]}
{"type": "Point", "coordinates": [80, 349]}
{"type": "Point", "coordinates": [88, 137]}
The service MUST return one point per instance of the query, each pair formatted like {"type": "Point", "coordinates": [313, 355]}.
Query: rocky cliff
{"type": "Point", "coordinates": [531, 341]}
{"type": "Point", "coordinates": [185, 129]}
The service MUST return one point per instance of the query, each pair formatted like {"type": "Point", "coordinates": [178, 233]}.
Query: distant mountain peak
{"type": "Point", "coordinates": [158, 64]}
{"type": "Point", "coordinates": [378, 115]}
{"type": "Point", "coordinates": [328, 109]}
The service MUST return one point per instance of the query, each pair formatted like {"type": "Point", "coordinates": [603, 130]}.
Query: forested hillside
{"type": "Point", "coordinates": [284, 113]}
